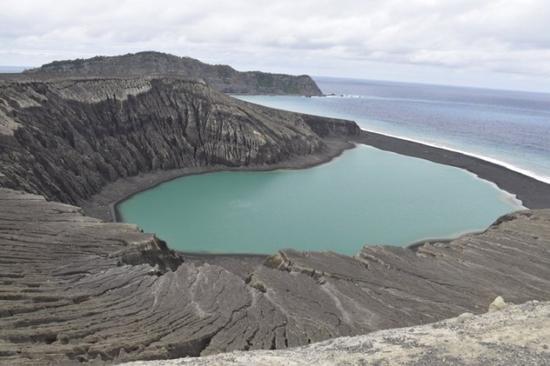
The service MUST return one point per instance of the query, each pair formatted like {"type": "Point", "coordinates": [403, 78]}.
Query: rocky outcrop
{"type": "Point", "coordinates": [221, 77]}
{"type": "Point", "coordinates": [74, 289]}
{"type": "Point", "coordinates": [66, 139]}
{"type": "Point", "coordinates": [518, 335]}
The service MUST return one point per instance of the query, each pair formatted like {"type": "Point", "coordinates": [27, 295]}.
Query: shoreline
{"type": "Point", "coordinates": [104, 204]}
{"type": "Point", "coordinates": [532, 193]}
{"type": "Point", "coordinates": [501, 163]}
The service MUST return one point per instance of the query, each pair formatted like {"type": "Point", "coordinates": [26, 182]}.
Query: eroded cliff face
{"type": "Point", "coordinates": [221, 77]}
{"type": "Point", "coordinates": [66, 139]}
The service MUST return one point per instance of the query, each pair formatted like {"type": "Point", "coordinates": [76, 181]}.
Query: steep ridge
{"type": "Point", "coordinates": [66, 139]}
{"type": "Point", "coordinates": [221, 77]}
{"type": "Point", "coordinates": [75, 289]}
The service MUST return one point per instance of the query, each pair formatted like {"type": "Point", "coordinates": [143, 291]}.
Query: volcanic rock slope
{"type": "Point", "coordinates": [65, 139]}
{"type": "Point", "coordinates": [222, 77]}
{"type": "Point", "coordinates": [74, 289]}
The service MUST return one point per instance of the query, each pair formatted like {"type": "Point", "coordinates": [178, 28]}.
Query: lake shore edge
{"type": "Point", "coordinates": [104, 204]}
{"type": "Point", "coordinates": [531, 192]}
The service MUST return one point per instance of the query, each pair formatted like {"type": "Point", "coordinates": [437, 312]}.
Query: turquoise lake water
{"type": "Point", "coordinates": [364, 196]}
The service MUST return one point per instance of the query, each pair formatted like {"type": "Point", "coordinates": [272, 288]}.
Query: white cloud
{"type": "Point", "coordinates": [494, 36]}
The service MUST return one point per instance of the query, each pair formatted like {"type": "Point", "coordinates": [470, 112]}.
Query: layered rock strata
{"type": "Point", "coordinates": [75, 289]}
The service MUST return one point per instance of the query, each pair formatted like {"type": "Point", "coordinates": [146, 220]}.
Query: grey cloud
{"type": "Point", "coordinates": [496, 35]}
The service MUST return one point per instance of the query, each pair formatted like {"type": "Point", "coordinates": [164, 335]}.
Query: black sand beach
{"type": "Point", "coordinates": [533, 193]}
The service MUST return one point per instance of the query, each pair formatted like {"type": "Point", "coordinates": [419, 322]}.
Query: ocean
{"type": "Point", "coordinates": [510, 128]}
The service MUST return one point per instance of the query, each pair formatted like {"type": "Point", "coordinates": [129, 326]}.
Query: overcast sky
{"type": "Point", "coordinates": [486, 43]}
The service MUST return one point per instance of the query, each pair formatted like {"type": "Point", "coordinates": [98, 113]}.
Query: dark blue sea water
{"type": "Point", "coordinates": [507, 127]}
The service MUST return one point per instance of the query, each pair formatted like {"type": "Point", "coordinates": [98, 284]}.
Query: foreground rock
{"type": "Point", "coordinates": [518, 335]}
{"type": "Point", "coordinates": [75, 289]}
{"type": "Point", "coordinates": [222, 77]}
